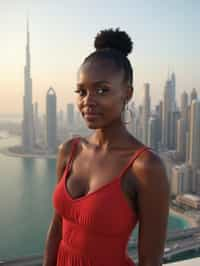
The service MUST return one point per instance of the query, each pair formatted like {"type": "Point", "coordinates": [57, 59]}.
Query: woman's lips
{"type": "Point", "coordinates": [91, 115]}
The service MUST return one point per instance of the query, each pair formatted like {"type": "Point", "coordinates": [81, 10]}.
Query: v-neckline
{"type": "Point", "coordinates": [115, 179]}
{"type": "Point", "coordinates": [67, 193]}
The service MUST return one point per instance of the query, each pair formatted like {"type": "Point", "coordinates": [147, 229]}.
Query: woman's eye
{"type": "Point", "coordinates": [101, 90]}
{"type": "Point", "coordinates": [81, 92]}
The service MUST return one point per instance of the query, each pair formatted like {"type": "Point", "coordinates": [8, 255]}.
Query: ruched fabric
{"type": "Point", "coordinates": [96, 227]}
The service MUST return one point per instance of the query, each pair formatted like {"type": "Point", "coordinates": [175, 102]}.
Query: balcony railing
{"type": "Point", "coordinates": [37, 261]}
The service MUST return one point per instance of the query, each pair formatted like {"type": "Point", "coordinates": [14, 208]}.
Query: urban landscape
{"type": "Point", "coordinates": [171, 128]}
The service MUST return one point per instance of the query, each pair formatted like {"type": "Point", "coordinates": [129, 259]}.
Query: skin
{"type": "Point", "coordinates": [110, 148]}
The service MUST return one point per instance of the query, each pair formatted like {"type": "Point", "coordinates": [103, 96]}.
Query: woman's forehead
{"type": "Point", "coordinates": [106, 70]}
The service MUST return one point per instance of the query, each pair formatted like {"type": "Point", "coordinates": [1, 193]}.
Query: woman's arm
{"type": "Point", "coordinates": [153, 204]}
{"type": "Point", "coordinates": [54, 233]}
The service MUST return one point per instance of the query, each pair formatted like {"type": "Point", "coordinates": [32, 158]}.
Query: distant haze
{"type": "Point", "coordinates": [166, 36]}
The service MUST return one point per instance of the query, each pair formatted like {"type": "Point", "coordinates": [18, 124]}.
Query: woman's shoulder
{"type": "Point", "coordinates": [149, 168]}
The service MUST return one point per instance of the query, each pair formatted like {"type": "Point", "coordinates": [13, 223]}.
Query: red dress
{"type": "Point", "coordinates": [97, 226]}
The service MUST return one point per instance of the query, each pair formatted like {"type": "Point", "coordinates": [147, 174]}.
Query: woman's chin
{"type": "Point", "coordinates": [93, 124]}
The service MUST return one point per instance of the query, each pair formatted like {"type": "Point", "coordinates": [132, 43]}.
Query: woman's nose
{"type": "Point", "coordinates": [90, 100]}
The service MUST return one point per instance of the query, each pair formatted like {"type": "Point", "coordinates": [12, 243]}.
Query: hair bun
{"type": "Point", "coordinates": [114, 39]}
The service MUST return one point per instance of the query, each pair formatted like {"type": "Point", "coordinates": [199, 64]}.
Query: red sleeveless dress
{"type": "Point", "coordinates": [96, 227]}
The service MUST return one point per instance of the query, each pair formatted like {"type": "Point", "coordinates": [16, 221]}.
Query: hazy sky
{"type": "Point", "coordinates": [166, 36]}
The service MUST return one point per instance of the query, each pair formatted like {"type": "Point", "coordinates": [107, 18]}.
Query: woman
{"type": "Point", "coordinates": [108, 181]}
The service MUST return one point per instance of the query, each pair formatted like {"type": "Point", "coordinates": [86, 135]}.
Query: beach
{"type": "Point", "coordinates": [191, 221]}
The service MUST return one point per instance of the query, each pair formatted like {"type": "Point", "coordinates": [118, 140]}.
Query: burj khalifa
{"type": "Point", "coordinates": [28, 134]}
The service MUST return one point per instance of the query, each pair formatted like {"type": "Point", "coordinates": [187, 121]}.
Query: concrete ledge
{"type": "Point", "coordinates": [191, 262]}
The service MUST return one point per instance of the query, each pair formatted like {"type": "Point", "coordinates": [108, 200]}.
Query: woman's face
{"type": "Point", "coordinates": [101, 93]}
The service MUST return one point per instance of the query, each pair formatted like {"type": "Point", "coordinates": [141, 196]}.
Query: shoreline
{"type": "Point", "coordinates": [190, 220]}
{"type": "Point", "coordinates": [5, 151]}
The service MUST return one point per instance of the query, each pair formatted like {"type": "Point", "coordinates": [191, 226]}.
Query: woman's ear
{"type": "Point", "coordinates": [130, 90]}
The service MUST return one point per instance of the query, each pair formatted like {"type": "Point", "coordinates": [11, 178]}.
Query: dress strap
{"type": "Point", "coordinates": [71, 156]}
{"type": "Point", "coordinates": [136, 154]}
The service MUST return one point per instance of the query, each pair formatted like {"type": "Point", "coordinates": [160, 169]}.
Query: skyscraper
{"type": "Point", "coordinates": [36, 122]}
{"type": "Point", "coordinates": [184, 109]}
{"type": "Point", "coordinates": [153, 132]}
{"type": "Point", "coordinates": [194, 149]}
{"type": "Point", "coordinates": [167, 108]}
{"type": "Point", "coordinates": [146, 112]}
{"type": "Point", "coordinates": [70, 116]}
{"type": "Point", "coordinates": [181, 139]}
{"type": "Point", "coordinates": [173, 91]}
{"type": "Point", "coordinates": [169, 113]}
{"type": "Point", "coordinates": [51, 121]}
{"type": "Point", "coordinates": [28, 134]}
{"type": "Point", "coordinates": [193, 95]}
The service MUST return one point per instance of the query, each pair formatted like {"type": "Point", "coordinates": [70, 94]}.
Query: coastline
{"type": "Point", "coordinates": [190, 220]}
{"type": "Point", "coordinates": [5, 151]}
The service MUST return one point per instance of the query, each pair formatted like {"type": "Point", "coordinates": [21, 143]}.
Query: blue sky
{"type": "Point", "coordinates": [166, 36]}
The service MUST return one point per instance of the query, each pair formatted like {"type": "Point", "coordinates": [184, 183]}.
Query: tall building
{"type": "Point", "coordinates": [193, 95]}
{"type": "Point", "coordinates": [28, 130]}
{"type": "Point", "coordinates": [187, 155]}
{"type": "Point", "coordinates": [173, 118]}
{"type": "Point", "coordinates": [184, 105]}
{"type": "Point", "coordinates": [181, 181]}
{"type": "Point", "coordinates": [146, 112]}
{"type": "Point", "coordinates": [181, 139]}
{"type": "Point", "coordinates": [169, 113]}
{"type": "Point", "coordinates": [36, 122]}
{"type": "Point", "coordinates": [70, 116]}
{"type": "Point", "coordinates": [51, 121]}
{"type": "Point", "coordinates": [167, 108]}
{"type": "Point", "coordinates": [194, 152]}
{"type": "Point", "coordinates": [173, 91]}
{"type": "Point", "coordinates": [139, 123]}
{"type": "Point", "coordinates": [153, 132]}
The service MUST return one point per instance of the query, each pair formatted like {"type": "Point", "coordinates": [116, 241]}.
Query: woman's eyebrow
{"type": "Point", "coordinates": [94, 83]}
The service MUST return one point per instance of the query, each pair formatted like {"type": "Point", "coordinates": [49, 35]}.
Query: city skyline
{"type": "Point", "coordinates": [164, 41]}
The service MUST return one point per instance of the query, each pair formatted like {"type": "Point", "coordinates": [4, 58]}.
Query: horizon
{"type": "Point", "coordinates": [165, 35]}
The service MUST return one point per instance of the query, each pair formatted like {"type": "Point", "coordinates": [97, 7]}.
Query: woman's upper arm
{"type": "Point", "coordinates": [153, 204]}
{"type": "Point", "coordinates": [61, 160]}
{"type": "Point", "coordinates": [62, 156]}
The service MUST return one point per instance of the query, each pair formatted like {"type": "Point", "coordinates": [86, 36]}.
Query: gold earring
{"type": "Point", "coordinates": [126, 109]}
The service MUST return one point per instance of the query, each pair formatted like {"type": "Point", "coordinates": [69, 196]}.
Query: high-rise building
{"type": "Point", "coordinates": [167, 108]}
{"type": "Point", "coordinates": [181, 181]}
{"type": "Point", "coordinates": [193, 95]}
{"type": "Point", "coordinates": [36, 122]}
{"type": "Point", "coordinates": [28, 130]}
{"type": "Point", "coordinates": [181, 139]}
{"type": "Point", "coordinates": [194, 152]}
{"type": "Point", "coordinates": [187, 155]}
{"type": "Point", "coordinates": [146, 112]}
{"type": "Point", "coordinates": [153, 132]}
{"type": "Point", "coordinates": [51, 121]}
{"type": "Point", "coordinates": [173, 118]}
{"type": "Point", "coordinates": [70, 116]}
{"type": "Point", "coordinates": [173, 91]}
{"type": "Point", "coordinates": [184, 105]}
{"type": "Point", "coordinates": [139, 123]}
{"type": "Point", "coordinates": [169, 113]}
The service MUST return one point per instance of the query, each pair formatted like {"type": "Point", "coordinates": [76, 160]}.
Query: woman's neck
{"type": "Point", "coordinates": [110, 137]}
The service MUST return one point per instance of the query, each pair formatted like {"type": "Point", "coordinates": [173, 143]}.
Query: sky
{"type": "Point", "coordinates": [166, 38]}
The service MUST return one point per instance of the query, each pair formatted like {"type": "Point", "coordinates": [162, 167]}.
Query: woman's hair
{"type": "Point", "coordinates": [114, 45]}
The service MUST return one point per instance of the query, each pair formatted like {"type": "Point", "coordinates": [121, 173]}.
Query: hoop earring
{"type": "Point", "coordinates": [123, 114]}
